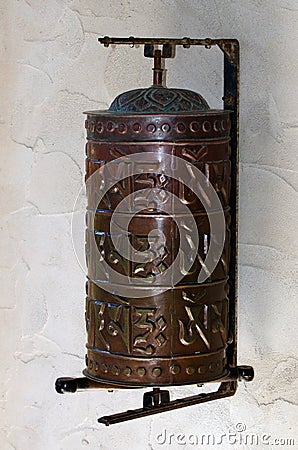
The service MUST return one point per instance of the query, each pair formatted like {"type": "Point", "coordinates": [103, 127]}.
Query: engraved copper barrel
{"type": "Point", "coordinates": [180, 335]}
{"type": "Point", "coordinates": [161, 238]}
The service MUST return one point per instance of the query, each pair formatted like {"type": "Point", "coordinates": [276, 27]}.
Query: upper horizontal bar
{"type": "Point", "coordinates": [185, 42]}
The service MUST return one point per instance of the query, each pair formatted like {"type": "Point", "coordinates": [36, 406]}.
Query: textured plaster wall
{"type": "Point", "coordinates": [52, 68]}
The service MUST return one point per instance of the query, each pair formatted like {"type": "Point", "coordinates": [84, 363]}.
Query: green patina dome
{"type": "Point", "coordinates": [158, 99]}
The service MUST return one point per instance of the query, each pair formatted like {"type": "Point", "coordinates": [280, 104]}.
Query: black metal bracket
{"type": "Point", "coordinates": [230, 48]}
{"type": "Point", "coordinates": [231, 78]}
{"type": "Point", "coordinates": [157, 400]}
{"type": "Point", "coordinates": [71, 385]}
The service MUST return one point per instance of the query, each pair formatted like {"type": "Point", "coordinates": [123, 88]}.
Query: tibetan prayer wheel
{"type": "Point", "coordinates": [161, 238]}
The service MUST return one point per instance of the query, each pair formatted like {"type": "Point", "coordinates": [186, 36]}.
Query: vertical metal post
{"type": "Point", "coordinates": [231, 52]}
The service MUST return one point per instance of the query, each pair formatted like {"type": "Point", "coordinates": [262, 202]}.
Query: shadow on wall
{"type": "Point", "coordinates": [268, 188]}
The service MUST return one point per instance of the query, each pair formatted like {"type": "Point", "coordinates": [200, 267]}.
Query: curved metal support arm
{"type": "Point", "coordinates": [157, 400]}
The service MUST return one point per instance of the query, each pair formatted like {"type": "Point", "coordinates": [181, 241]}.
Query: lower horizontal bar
{"type": "Point", "coordinates": [225, 390]}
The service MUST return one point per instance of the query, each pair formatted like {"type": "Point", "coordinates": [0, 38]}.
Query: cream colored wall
{"type": "Point", "coordinates": [52, 68]}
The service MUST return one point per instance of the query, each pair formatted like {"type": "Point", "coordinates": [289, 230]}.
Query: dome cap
{"type": "Point", "coordinates": [158, 99]}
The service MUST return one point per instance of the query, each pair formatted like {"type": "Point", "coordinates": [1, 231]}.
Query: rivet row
{"type": "Point", "coordinates": [155, 372]}
{"type": "Point", "coordinates": [151, 128]}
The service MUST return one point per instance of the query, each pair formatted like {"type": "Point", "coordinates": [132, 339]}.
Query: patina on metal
{"type": "Point", "coordinates": [187, 334]}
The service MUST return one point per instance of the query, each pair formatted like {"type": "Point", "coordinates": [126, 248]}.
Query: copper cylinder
{"type": "Point", "coordinates": [179, 336]}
